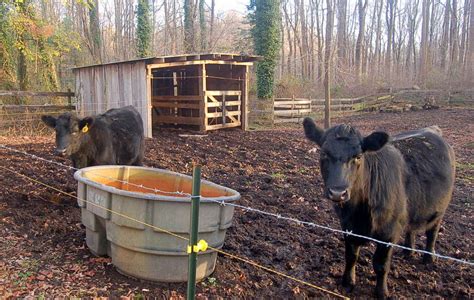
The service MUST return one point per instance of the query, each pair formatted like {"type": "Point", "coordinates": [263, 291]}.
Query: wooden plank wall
{"type": "Point", "coordinates": [101, 88]}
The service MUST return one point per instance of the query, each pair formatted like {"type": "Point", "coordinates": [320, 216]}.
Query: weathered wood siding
{"type": "Point", "coordinates": [99, 88]}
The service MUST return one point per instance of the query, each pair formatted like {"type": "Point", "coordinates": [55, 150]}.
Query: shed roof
{"type": "Point", "coordinates": [184, 57]}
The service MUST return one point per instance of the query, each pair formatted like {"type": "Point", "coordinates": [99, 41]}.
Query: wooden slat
{"type": "Point", "coordinates": [210, 97]}
{"type": "Point", "coordinates": [36, 94]}
{"type": "Point", "coordinates": [175, 98]}
{"type": "Point", "coordinates": [307, 102]}
{"type": "Point", "coordinates": [39, 107]}
{"type": "Point", "coordinates": [149, 113]}
{"type": "Point", "coordinates": [245, 100]}
{"type": "Point", "coordinates": [199, 62]}
{"type": "Point", "coordinates": [221, 93]}
{"type": "Point", "coordinates": [179, 120]}
{"type": "Point", "coordinates": [288, 120]}
{"type": "Point", "coordinates": [219, 126]}
{"type": "Point", "coordinates": [227, 113]}
{"type": "Point", "coordinates": [291, 112]}
{"type": "Point", "coordinates": [227, 103]}
{"type": "Point", "coordinates": [202, 95]}
{"type": "Point", "coordinates": [233, 119]}
{"type": "Point", "coordinates": [177, 105]}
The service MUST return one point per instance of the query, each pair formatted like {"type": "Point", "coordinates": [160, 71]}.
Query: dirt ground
{"type": "Point", "coordinates": [43, 251]}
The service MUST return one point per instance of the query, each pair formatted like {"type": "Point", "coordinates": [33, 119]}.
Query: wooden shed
{"type": "Point", "coordinates": [204, 91]}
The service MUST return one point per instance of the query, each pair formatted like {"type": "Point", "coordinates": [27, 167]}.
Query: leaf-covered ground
{"type": "Point", "coordinates": [43, 252]}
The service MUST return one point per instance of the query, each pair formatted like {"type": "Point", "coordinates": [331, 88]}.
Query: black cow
{"type": "Point", "coordinates": [382, 187]}
{"type": "Point", "coordinates": [112, 138]}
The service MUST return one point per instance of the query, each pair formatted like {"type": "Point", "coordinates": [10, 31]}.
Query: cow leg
{"type": "Point", "coordinates": [431, 236]}
{"type": "Point", "coordinates": [409, 242]}
{"type": "Point", "coordinates": [352, 254]}
{"type": "Point", "coordinates": [381, 265]}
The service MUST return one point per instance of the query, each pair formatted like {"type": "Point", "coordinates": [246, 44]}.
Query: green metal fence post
{"type": "Point", "coordinates": [195, 199]}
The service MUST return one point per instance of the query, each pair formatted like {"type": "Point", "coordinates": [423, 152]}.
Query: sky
{"type": "Point", "coordinates": [237, 5]}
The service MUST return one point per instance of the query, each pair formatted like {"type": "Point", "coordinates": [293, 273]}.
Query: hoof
{"type": "Point", "coordinates": [348, 285]}
{"type": "Point", "coordinates": [382, 294]}
{"type": "Point", "coordinates": [428, 259]}
{"type": "Point", "coordinates": [408, 254]}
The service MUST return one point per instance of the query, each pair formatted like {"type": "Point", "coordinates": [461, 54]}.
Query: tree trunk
{"type": "Point", "coordinates": [390, 20]}
{"type": "Point", "coordinates": [320, 43]}
{"type": "Point", "coordinates": [378, 38]}
{"type": "Point", "coordinates": [465, 23]}
{"type": "Point", "coordinates": [118, 4]}
{"type": "Point", "coordinates": [211, 32]}
{"type": "Point", "coordinates": [327, 64]}
{"type": "Point", "coordinates": [189, 38]}
{"type": "Point", "coordinates": [445, 36]}
{"type": "Point", "coordinates": [202, 26]}
{"type": "Point", "coordinates": [470, 44]}
{"type": "Point", "coordinates": [425, 14]}
{"type": "Point", "coordinates": [95, 35]}
{"type": "Point", "coordinates": [362, 6]}
{"type": "Point", "coordinates": [454, 37]}
{"type": "Point", "coordinates": [341, 32]}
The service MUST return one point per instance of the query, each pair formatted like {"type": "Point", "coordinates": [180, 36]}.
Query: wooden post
{"type": "Point", "coordinates": [203, 96]}
{"type": "Point", "coordinates": [245, 100]}
{"type": "Point", "coordinates": [69, 98]}
{"type": "Point", "coordinates": [292, 105]}
{"type": "Point", "coordinates": [149, 113]}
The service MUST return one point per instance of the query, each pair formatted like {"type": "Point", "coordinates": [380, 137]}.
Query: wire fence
{"type": "Point", "coordinates": [225, 253]}
{"type": "Point", "coordinates": [262, 212]}
{"type": "Point", "coordinates": [154, 190]}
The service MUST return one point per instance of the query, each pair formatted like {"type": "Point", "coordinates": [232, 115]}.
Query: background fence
{"type": "Point", "coordinates": [26, 118]}
{"type": "Point", "coordinates": [295, 109]}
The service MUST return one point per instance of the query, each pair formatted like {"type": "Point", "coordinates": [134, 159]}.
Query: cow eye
{"type": "Point", "coordinates": [356, 158]}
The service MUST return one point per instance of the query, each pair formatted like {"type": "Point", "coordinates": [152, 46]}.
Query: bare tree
{"type": "Point", "coordinates": [327, 63]}
{"type": "Point", "coordinates": [425, 14]}
{"type": "Point", "coordinates": [453, 37]}
{"type": "Point", "coordinates": [362, 8]}
{"type": "Point", "coordinates": [390, 20]}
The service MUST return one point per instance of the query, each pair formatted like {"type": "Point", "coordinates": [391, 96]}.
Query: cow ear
{"type": "Point", "coordinates": [375, 141]}
{"type": "Point", "coordinates": [49, 120]}
{"type": "Point", "coordinates": [312, 131]}
{"type": "Point", "coordinates": [85, 124]}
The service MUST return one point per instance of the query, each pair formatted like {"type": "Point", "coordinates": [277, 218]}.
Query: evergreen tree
{"type": "Point", "coordinates": [94, 26]}
{"type": "Point", "coordinates": [143, 29]}
{"type": "Point", "coordinates": [189, 38]}
{"type": "Point", "coordinates": [265, 17]}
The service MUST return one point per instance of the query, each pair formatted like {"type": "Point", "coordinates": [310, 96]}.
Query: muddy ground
{"type": "Point", "coordinates": [43, 252]}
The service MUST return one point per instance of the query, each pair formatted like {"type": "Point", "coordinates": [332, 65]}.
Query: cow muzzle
{"type": "Point", "coordinates": [60, 152]}
{"type": "Point", "coordinates": [338, 195]}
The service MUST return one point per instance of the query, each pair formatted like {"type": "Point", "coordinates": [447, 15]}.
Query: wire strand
{"type": "Point", "coordinates": [279, 216]}
{"type": "Point", "coordinates": [154, 190]}
{"type": "Point", "coordinates": [255, 264]}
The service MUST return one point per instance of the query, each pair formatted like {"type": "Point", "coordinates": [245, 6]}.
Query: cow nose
{"type": "Point", "coordinates": [338, 194]}
{"type": "Point", "coordinates": [60, 152]}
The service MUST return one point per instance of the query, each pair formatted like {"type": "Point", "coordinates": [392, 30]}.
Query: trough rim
{"type": "Point", "coordinates": [78, 175]}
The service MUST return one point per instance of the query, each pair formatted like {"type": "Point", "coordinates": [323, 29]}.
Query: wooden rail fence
{"type": "Point", "coordinates": [291, 109]}
{"type": "Point", "coordinates": [296, 109]}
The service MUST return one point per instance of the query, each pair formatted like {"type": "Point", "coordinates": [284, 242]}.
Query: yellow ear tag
{"type": "Point", "coordinates": [85, 129]}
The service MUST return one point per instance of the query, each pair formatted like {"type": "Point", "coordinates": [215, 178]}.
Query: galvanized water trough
{"type": "Point", "coordinates": [139, 250]}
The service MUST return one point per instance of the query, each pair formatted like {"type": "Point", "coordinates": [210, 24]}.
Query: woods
{"type": "Point", "coordinates": [375, 44]}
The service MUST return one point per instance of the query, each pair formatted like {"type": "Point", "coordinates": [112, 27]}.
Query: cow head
{"type": "Point", "coordinates": [341, 156]}
{"type": "Point", "coordinates": [70, 131]}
